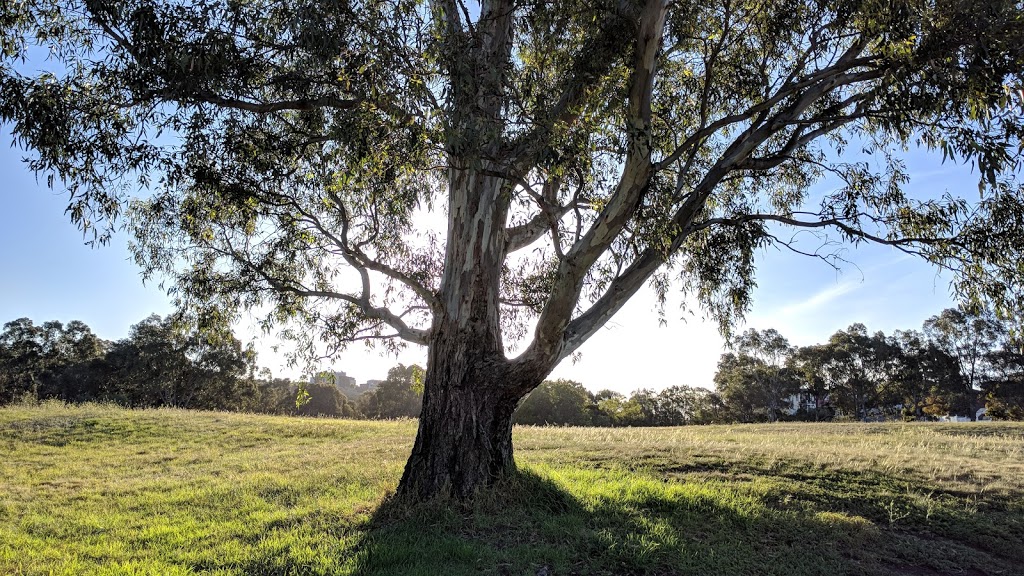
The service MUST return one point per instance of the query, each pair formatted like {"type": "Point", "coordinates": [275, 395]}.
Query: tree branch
{"type": "Point", "coordinates": [301, 104]}
{"type": "Point", "coordinates": [629, 282]}
{"type": "Point", "coordinates": [901, 243]}
{"type": "Point", "coordinates": [613, 218]}
{"type": "Point", "coordinates": [358, 259]}
{"type": "Point", "coordinates": [414, 335]}
{"type": "Point", "coordinates": [545, 221]}
{"type": "Point", "coordinates": [827, 75]}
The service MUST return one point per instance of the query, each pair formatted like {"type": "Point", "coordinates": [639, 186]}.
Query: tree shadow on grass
{"type": "Point", "coordinates": [556, 521]}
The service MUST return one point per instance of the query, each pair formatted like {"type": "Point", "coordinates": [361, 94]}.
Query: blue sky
{"type": "Point", "coordinates": [48, 273]}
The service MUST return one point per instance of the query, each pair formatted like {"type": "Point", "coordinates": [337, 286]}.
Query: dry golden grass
{"type": "Point", "coordinates": [973, 458]}
{"type": "Point", "coordinates": [103, 490]}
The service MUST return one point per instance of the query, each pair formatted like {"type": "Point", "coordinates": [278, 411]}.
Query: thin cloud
{"type": "Point", "coordinates": [820, 299]}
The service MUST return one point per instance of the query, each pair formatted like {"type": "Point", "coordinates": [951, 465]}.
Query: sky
{"type": "Point", "coordinates": [47, 272]}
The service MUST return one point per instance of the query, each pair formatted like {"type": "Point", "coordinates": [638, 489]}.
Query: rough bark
{"type": "Point", "coordinates": [464, 441]}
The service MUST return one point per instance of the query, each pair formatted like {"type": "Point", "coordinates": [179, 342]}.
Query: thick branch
{"type": "Point", "coordinates": [619, 291]}
{"type": "Point", "coordinates": [626, 284]}
{"type": "Point", "coordinates": [521, 236]}
{"type": "Point", "coordinates": [627, 196]}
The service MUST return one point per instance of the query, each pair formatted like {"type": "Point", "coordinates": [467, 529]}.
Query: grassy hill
{"type": "Point", "coordinates": [101, 490]}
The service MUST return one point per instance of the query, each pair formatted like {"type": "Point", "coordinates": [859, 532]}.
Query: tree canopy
{"type": "Point", "coordinates": [578, 149]}
{"type": "Point", "coordinates": [300, 138]}
{"type": "Point", "coordinates": [34, 359]}
{"type": "Point", "coordinates": [561, 402]}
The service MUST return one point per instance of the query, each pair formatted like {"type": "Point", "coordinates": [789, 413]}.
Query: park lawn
{"type": "Point", "coordinates": [104, 490]}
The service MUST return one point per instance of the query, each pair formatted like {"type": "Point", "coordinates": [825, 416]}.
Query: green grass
{"type": "Point", "coordinates": [101, 490]}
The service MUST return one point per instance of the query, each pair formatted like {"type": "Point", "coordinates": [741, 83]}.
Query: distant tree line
{"type": "Point", "coordinates": [158, 364]}
{"type": "Point", "coordinates": [957, 363]}
{"type": "Point", "coordinates": [400, 395]}
{"type": "Point", "coordinates": [163, 364]}
{"type": "Point", "coordinates": [568, 403]}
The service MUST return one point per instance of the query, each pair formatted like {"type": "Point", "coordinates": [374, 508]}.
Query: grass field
{"type": "Point", "coordinates": [101, 490]}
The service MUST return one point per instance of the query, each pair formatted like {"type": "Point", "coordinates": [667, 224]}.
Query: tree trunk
{"type": "Point", "coordinates": [973, 404]}
{"type": "Point", "coordinates": [464, 441]}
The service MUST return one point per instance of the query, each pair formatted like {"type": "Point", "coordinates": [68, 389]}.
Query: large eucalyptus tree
{"type": "Point", "coordinates": [579, 150]}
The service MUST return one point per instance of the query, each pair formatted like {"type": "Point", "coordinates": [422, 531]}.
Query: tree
{"type": "Point", "coordinates": [969, 338]}
{"type": "Point", "coordinates": [772, 350]}
{"type": "Point", "coordinates": [853, 369]}
{"type": "Point", "coordinates": [615, 409]}
{"type": "Point", "coordinates": [916, 373]}
{"type": "Point", "coordinates": [79, 372]}
{"type": "Point", "coordinates": [1005, 400]}
{"type": "Point", "coordinates": [273, 396]}
{"type": "Point", "coordinates": [285, 148]}
{"type": "Point", "coordinates": [160, 364]}
{"type": "Point", "coordinates": [48, 361]}
{"type": "Point", "coordinates": [399, 396]}
{"type": "Point", "coordinates": [324, 399]}
{"type": "Point", "coordinates": [751, 389]}
{"type": "Point", "coordinates": [1004, 392]}
{"type": "Point", "coordinates": [682, 405]}
{"type": "Point", "coordinates": [558, 402]}
{"type": "Point", "coordinates": [808, 366]}
{"type": "Point", "coordinates": [29, 354]}
{"type": "Point", "coordinates": [648, 407]}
